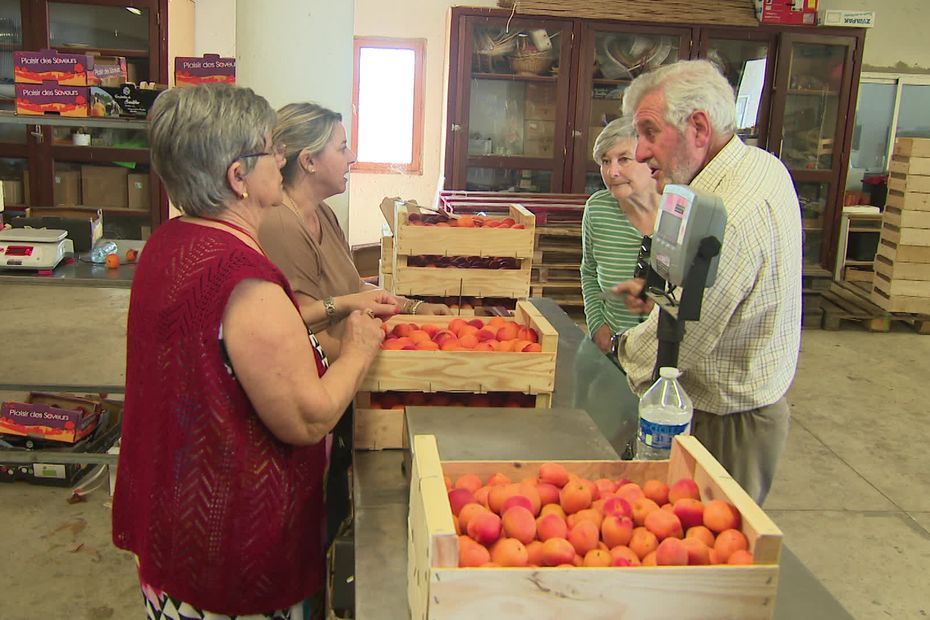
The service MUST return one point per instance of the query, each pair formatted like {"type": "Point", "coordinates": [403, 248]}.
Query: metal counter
{"type": "Point", "coordinates": [80, 272]}
{"type": "Point", "coordinates": [585, 380]}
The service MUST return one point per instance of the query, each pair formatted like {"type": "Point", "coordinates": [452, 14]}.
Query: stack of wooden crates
{"type": "Point", "coordinates": [902, 261]}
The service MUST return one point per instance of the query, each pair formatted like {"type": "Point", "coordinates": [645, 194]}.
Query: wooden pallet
{"type": "Point", "coordinates": [557, 272]}
{"type": "Point", "coordinates": [846, 301]}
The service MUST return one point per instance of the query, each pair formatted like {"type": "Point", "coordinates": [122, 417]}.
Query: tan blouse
{"type": "Point", "coordinates": [317, 270]}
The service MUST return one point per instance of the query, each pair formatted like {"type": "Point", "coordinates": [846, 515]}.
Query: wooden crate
{"type": "Point", "coordinates": [907, 253]}
{"type": "Point", "coordinates": [453, 282]}
{"type": "Point", "coordinates": [908, 183]}
{"type": "Point", "coordinates": [469, 371]}
{"type": "Point", "coordinates": [906, 218]}
{"type": "Point", "coordinates": [899, 287]}
{"type": "Point", "coordinates": [387, 249]}
{"type": "Point", "coordinates": [900, 270]}
{"type": "Point", "coordinates": [907, 201]}
{"type": "Point", "coordinates": [912, 147]}
{"type": "Point", "coordinates": [905, 236]}
{"type": "Point", "coordinates": [412, 240]}
{"type": "Point", "coordinates": [898, 303]}
{"type": "Point", "coordinates": [383, 429]}
{"type": "Point", "coordinates": [437, 588]}
{"type": "Point", "coordinates": [905, 164]}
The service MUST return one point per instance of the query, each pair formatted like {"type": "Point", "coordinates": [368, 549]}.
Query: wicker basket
{"type": "Point", "coordinates": [530, 63]}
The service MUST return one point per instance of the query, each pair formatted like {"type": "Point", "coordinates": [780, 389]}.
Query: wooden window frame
{"type": "Point", "coordinates": [418, 46]}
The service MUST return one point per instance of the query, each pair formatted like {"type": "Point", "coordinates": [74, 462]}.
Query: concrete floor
{"type": "Point", "coordinates": [852, 494]}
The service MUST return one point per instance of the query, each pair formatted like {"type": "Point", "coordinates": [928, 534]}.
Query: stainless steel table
{"type": "Point", "coordinates": [80, 272]}
{"type": "Point", "coordinates": [585, 379]}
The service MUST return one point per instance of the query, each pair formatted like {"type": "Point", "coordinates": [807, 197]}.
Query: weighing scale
{"type": "Point", "coordinates": [33, 248]}
{"type": "Point", "coordinates": [685, 251]}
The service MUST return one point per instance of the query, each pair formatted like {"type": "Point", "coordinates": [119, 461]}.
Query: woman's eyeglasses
{"type": "Point", "coordinates": [277, 150]}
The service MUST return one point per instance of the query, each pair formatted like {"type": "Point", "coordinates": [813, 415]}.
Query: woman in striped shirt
{"type": "Point", "coordinates": [615, 220]}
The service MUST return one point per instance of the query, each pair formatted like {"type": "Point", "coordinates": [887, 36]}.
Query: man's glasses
{"type": "Point", "coordinates": [277, 150]}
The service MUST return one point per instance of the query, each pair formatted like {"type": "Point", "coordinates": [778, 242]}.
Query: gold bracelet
{"type": "Point", "coordinates": [415, 306]}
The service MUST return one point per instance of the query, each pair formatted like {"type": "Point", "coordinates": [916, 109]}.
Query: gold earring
{"type": "Point", "coordinates": [244, 195]}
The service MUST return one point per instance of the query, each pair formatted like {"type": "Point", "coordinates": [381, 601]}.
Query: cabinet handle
{"type": "Point", "coordinates": [576, 133]}
{"type": "Point", "coordinates": [456, 127]}
{"type": "Point", "coordinates": [37, 133]}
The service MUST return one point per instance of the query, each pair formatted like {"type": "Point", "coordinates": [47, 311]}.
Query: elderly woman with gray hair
{"type": "Point", "coordinates": [614, 222]}
{"type": "Point", "coordinates": [220, 493]}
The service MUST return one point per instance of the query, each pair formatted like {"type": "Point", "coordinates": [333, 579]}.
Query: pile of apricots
{"type": "Point", "coordinates": [460, 335]}
{"type": "Point", "coordinates": [463, 221]}
{"type": "Point", "coordinates": [559, 519]}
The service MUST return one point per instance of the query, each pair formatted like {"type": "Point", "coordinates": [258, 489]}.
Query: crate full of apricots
{"type": "Point", "coordinates": [442, 361]}
{"type": "Point", "coordinates": [472, 255]}
{"type": "Point", "coordinates": [587, 539]}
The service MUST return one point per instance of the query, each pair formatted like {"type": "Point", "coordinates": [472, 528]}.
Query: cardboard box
{"type": "Point", "coordinates": [12, 192]}
{"type": "Point", "coordinates": [51, 98]}
{"type": "Point", "coordinates": [66, 186]}
{"type": "Point", "coordinates": [49, 418]}
{"type": "Point", "coordinates": [137, 186]}
{"type": "Point", "coordinates": [48, 65]}
{"type": "Point", "coordinates": [83, 228]}
{"type": "Point", "coordinates": [123, 100]}
{"type": "Point", "coordinates": [540, 102]}
{"type": "Point", "coordinates": [210, 69]}
{"type": "Point", "coordinates": [849, 19]}
{"type": "Point", "coordinates": [793, 12]}
{"type": "Point", "coordinates": [538, 138]}
{"type": "Point", "coordinates": [104, 186]}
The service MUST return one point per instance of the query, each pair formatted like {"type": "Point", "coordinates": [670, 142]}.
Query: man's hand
{"type": "Point", "coordinates": [601, 338]}
{"type": "Point", "coordinates": [630, 292]}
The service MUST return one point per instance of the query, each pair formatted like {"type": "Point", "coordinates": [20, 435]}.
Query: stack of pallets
{"type": "Point", "coordinates": [902, 261]}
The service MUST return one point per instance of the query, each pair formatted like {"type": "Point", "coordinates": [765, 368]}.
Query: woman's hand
{"type": "Point", "coordinates": [601, 338]}
{"type": "Point", "coordinates": [362, 335]}
{"type": "Point", "coordinates": [377, 300]}
{"type": "Point", "coordinates": [630, 292]}
{"type": "Point", "coordinates": [426, 308]}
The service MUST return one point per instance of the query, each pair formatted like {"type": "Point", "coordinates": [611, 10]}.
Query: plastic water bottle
{"type": "Point", "coordinates": [664, 411]}
{"type": "Point", "coordinates": [101, 250]}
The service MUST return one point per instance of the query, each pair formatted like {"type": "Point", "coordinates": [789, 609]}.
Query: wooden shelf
{"type": "Point", "coordinates": [857, 263]}
{"type": "Point", "coordinates": [11, 118]}
{"type": "Point", "coordinates": [606, 82]}
{"type": "Point", "coordinates": [99, 154]}
{"type": "Point", "coordinates": [808, 92]}
{"type": "Point", "coordinates": [113, 210]}
{"type": "Point", "coordinates": [860, 229]}
{"type": "Point", "coordinates": [103, 51]}
{"type": "Point", "coordinates": [514, 77]}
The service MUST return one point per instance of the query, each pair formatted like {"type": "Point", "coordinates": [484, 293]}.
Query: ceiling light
{"type": "Point", "coordinates": [134, 10]}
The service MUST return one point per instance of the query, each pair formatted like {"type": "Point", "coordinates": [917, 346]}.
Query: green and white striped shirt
{"type": "Point", "coordinates": [610, 247]}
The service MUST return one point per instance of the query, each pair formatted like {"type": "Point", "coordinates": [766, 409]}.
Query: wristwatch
{"type": "Point", "coordinates": [330, 307]}
{"type": "Point", "coordinates": [615, 348]}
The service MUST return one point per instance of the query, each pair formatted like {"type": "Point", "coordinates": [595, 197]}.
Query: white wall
{"type": "Point", "coordinates": [410, 19]}
{"type": "Point", "coordinates": [298, 50]}
{"type": "Point", "coordinates": [181, 20]}
{"type": "Point", "coordinates": [215, 28]}
{"type": "Point", "coordinates": [898, 41]}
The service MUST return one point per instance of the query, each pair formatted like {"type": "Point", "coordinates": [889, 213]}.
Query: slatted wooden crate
{"type": "Point", "coordinates": [437, 588]}
{"type": "Point", "coordinates": [412, 240]}
{"type": "Point", "coordinates": [451, 281]}
{"type": "Point", "coordinates": [382, 429]}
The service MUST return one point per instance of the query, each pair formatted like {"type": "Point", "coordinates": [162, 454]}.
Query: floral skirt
{"type": "Point", "coordinates": [162, 606]}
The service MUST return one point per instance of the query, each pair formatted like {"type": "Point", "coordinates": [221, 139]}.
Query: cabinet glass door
{"type": "Point", "coordinates": [813, 198]}
{"type": "Point", "coordinates": [747, 64]}
{"type": "Point", "coordinates": [513, 139]}
{"type": "Point", "coordinates": [615, 58]}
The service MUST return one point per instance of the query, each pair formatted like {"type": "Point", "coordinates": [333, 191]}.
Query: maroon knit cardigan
{"type": "Point", "coordinates": [221, 514]}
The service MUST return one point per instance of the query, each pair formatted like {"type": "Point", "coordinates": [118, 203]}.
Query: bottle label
{"type": "Point", "coordinates": [659, 436]}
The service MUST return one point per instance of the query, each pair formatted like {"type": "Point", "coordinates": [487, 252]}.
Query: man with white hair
{"type": "Point", "coordinates": [738, 361]}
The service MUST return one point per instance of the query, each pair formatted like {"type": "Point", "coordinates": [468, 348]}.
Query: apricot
{"type": "Point", "coordinates": [557, 551]}
{"type": "Point", "coordinates": [532, 348]}
{"type": "Point", "coordinates": [393, 344]}
{"type": "Point", "coordinates": [657, 491]}
{"type": "Point", "coordinates": [616, 530]}
{"type": "Point", "coordinates": [432, 330]}
{"type": "Point", "coordinates": [419, 335]}
{"type": "Point", "coordinates": [456, 325]}
{"type": "Point", "coordinates": [468, 481]}
{"type": "Point", "coordinates": [625, 553]}
{"type": "Point", "coordinates": [605, 486]}
{"type": "Point", "coordinates": [595, 493]}
{"type": "Point", "coordinates": [472, 554]}
{"type": "Point", "coordinates": [555, 509]}
{"type": "Point", "coordinates": [458, 498]}
{"type": "Point", "coordinates": [575, 496]}
{"type": "Point", "coordinates": [519, 523]}
{"type": "Point", "coordinates": [476, 323]}
{"type": "Point", "coordinates": [740, 556]}
{"type": "Point", "coordinates": [548, 493]}
{"type": "Point", "coordinates": [643, 542]}
{"type": "Point", "coordinates": [701, 533]}
{"type": "Point", "coordinates": [554, 474]}
{"type": "Point", "coordinates": [527, 333]}
{"type": "Point", "coordinates": [484, 346]}
{"type": "Point", "coordinates": [584, 537]}
{"type": "Point", "coordinates": [597, 558]}
{"type": "Point", "coordinates": [444, 335]}
{"type": "Point", "coordinates": [517, 500]}
{"type": "Point", "coordinates": [500, 493]}
{"type": "Point", "coordinates": [551, 526]}
{"type": "Point", "coordinates": [468, 512]}
{"type": "Point", "coordinates": [588, 514]}
{"type": "Point", "coordinates": [450, 345]}
{"type": "Point", "coordinates": [404, 329]}
{"type": "Point", "coordinates": [485, 527]}
{"type": "Point", "coordinates": [534, 552]}
{"type": "Point", "coordinates": [729, 541]}
{"type": "Point", "coordinates": [529, 491]}
{"type": "Point", "coordinates": [509, 552]}
{"type": "Point", "coordinates": [689, 511]}
{"type": "Point", "coordinates": [498, 478]}
{"type": "Point", "coordinates": [503, 346]}
{"type": "Point", "coordinates": [683, 488]}
{"type": "Point", "coordinates": [641, 508]}
{"type": "Point", "coordinates": [630, 492]}
{"type": "Point", "coordinates": [518, 345]}
{"type": "Point", "coordinates": [670, 552]}
{"type": "Point", "coordinates": [468, 341]}
{"type": "Point", "coordinates": [507, 332]}
{"type": "Point", "coordinates": [720, 515]}
{"type": "Point", "coordinates": [618, 506]}
{"type": "Point", "coordinates": [486, 334]}
{"type": "Point", "coordinates": [650, 559]}
{"type": "Point", "coordinates": [481, 496]}
{"type": "Point", "coordinates": [427, 345]}
{"type": "Point", "coordinates": [664, 525]}
{"type": "Point", "coordinates": [698, 552]}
